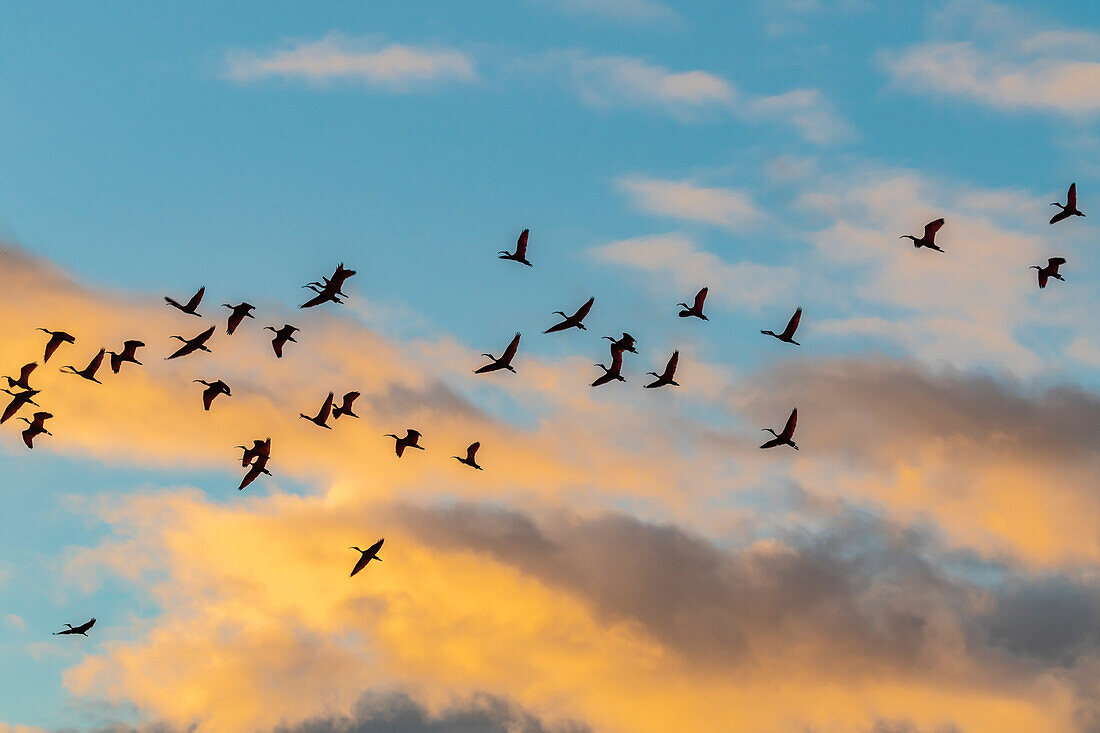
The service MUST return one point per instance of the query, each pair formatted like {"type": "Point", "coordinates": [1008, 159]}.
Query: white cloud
{"type": "Point", "coordinates": [722, 207]}
{"type": "Point", "coordinates": [16, 622]}
{"type": "Point", "coordinates": [808, 111]}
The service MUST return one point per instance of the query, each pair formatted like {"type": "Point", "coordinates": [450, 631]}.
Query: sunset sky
{"type": "Point", "coordinates": [628, 561]}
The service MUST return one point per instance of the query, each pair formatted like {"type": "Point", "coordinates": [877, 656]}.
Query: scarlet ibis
{"type": "Point", "coordinates": [321, 418]}
{"type": "Point", "coordinates": [89, 371]}
{"type": "Point", "coordinates": [82, 629]}
{"type": "Point", "coordinates": [24, 375]}
{"type": "Point", "coordinates": [191, 306]}
{"type": "Point", "coordinates": [1070, 209]}
{"type": "Point", "coordinates": [237, 313]}
{"type": "Point", "coordinates": [282, 335]}
{"type": "Point", "coordinates": [411, 440]}
{"type": "Point", "coordinates": [259, 448]}
{"type": "Point", "coordinates": [788, 333]}
{"type": "Point", "coordinates": [614, 372]}
{"type": "Point", "coordinates": [35, 427]}
{"type": "Point", "coordinates": [258, 467]}
{"type": "Point", "coordinates": [669, 374]}
{"type": "Point", "coordinates": [371, 553]}
{"type": "Point", "coordinates": [573, 321]}
{"type": "Point", "coordinates": [191, 345]}
{"type": "Point", "coordinates": [128, 354]}
{"type": "Point", "coordinates": [626, 343]}
{"type": "Point", "coordinates": [520, 255]}
{"type": "Point", "coordinates": [56, 339]}
{"type": "Point", "coordinates": [18, 399]}
{"type": "Point", "coordinates": [470, 453]}
{"type": "Point", "coordinates": [331, 288]}
{"type": "Point", "coordinates": [213, 389]}
{"type": "Point", "coordinates": [696, 308]}
{"type": "Point", "coordinates": [344, 408]}
{"type": "Point", "coordinates": [929, 238]}
{"type": "Point", "coordinates": [785, 437]}
{"type": "Point", "coordinates": [505, 360]}
{"type": "Point", "coordinates": [1051, 270]}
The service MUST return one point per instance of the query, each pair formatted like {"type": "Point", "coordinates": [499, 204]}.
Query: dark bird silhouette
{"type": "Point", "coordinates": [330, 289]}
{"type": "Point", "coordinates": [128, 354]}
{"type": "Point", "coordinates": [929, 238]}
{"type": "Point", "coordinates": [82, 629]}
{"type": "Point", "coordinates": [191, 306]}
{"type": "Point", "coordinates": [282, 335]}
{"type": "Point", "coordinates": [321, 419]}
{"type": "Point", "coordinates": [626, 343]}
{"type": "Point", "coordinates": [411, 440]}
{"type": "Point", "coordinates": [213, 389]}
{"type": "Point", "coordinates": [668, 375]}
{"type": "Point", "coordinates": [788, 333]}
{"type": "Point", "coordinates": [259, 448]}
{"type": "Point", "coordinates": [613, 372]}
{"type": "Point", "coordinates": [505, 360]}
{"type": "Point", "coordinates": [573, 321]}
{"type": "Point", "coordinates": [785, 437]}
{"type": "Point", "coordinates": [24, 375]}
{"type": "Point", "coordinates": [371, 553]}
{"type": "Point", "coordinates": [56, 339]}
{"type": "Point", "coordinates": [1050, 271]}
{"type": "Point", "coordinates": [520, 255]}
{"type": "Point", "coordinates": [89, 371]}
{"type": "Point", "coordinates": [237, 313]}
{"type": "Point", "coordinates": [696, 308]}
{"type": "Point", "coordinates": [190, 346]}
{"type": "Point", "coordinates": [256, 469]}
{"type": "Point", "coordinates": [1070, 209]}
{"type": "Point", "coordinates": [35, 427]}
{"type": "Point", "coordinates": [344, 408]}
{"type": "Point", "coordinates": [470, 453]}
{"type": "Point", "coordinates": [18, 399]}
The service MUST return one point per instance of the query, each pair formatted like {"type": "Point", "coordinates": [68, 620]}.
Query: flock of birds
{"type": "Point", "coordinates": [255, 458]}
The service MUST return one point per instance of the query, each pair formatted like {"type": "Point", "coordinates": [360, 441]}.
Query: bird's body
{"type": "Point", "coordinates": [669, 374]}
{"type": "Point", "coordinates": [574, 321]}
{"type": "Point", "coordinates": [330, 289]}
{"type": "Point", "coordinates": [89, 371]}
{"type": "Point", "coordinates": [785, 437]}
{"type": "Point", "coordinates": [1050, 271]}
{"type": "Point", "coordinates": [282, 336]}
{"type": "Point", "coordinates": [624, 343]}
{"type": "Point", "coordinates": [788, 333]}
{"type": "Point", "coordinates": [411, 440]}
{"type": "Point", "coordinates": [471, 452]}
{"type": "Point", "coordinates": [56, 339]}
{"type": "Point", "coordinates": [1070, 209]}
{"type": "Point", "coordinates": [696, 308]}
{"type": "Point", "coordinates": [371, 553]}
{"type": "Point", "coordinates": [344, 408]}
{"type": "Point", "coordinates": [505, 360]}
{"type": "Point", "coordinates": [24, 375]}
{"type": "Point", "coordinates": [191, 345]}
{"type": "Point", "coordinates": [260, 448]}
{"type": "Point", "coordinates": [520, 255]}
{"type": "Point", "coordinates": [35, 427]}
{"type": "Point", "coordinates": [321, 418]}
{"type": "Point", "coordinates": [237, 313]}
{"type": "Point", "coordinates": [613, 372]}
{"type": "Point", "coordinates": [127, 355]}
{"type": "Point", "coordinates": [928, 239]}
{"type": "Point", "coordinates": [213, 389]}
{"type": "Point", "coordinates": [18, 399]}
{"type": "Point", "coordinates": [82, 629]}
{"type": "Point", "coordinates": [190, 307]}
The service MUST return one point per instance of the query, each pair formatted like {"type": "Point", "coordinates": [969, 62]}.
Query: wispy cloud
{"type": "Point", "coordinates": [721, 207]}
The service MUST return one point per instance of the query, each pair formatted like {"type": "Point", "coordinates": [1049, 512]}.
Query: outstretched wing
{"type": "Point", "coordinates": [360, 563]}
{"type": "Point", "coordinates": [1071, 197]}
{"type": "Point", "coordinates": [93, 365]}
{"type": "Point", "coordinates": [322, 297]}
{"type": "Point", "coordinates": [1054, 262]}
{"type": "Point", "coordinates": [931, 228]}
{"type": "Point", "coordinates": [670, 368]}
{"type": "Point", "coordinates": [521, 244]}
{"type": "Point", "coordinates": [510, 352]}
{"type": "Point", "coordinates": [792, 325]}
{"type": "Point", "coordinates": [373, 549]}
{"type": "Point", "coordinates": [792, 421]}
{"type": "Point", "coordinates": [582, 312]}
{"type": "Point", "coordinates": [326, 409]}
{"type": "Point", "coordinates": [1063, 214]}
{"type": "Point", "coordinates": [28, 436]}
{"type": "Point", "coordinates": [472, 451]}
{"type": "Point", "coordinates": [699, 298]}
{"type": "Point", "coordinates": [208, 396]}
{"type": "Point", "coordinates": [25, 372]}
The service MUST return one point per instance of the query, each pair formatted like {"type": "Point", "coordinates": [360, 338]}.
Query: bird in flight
{"type": "Point", "coordinates": [128, 354]}
{"type": "Point", "coordinates": [505, 360]}
{"type": "Point", "coordinates": [626, 343]}
{"type": "Point", "coordinates": [696, 308]}
{"type": "Point", "coordinates": [237, 313]}
{"type": "Point", "coordinates": [259, 448]}
{"type": "Point", "coordinates": [190, 346]}
{"type": "Point", "coordinates": [256, 468]}
{"type": "Point", "coordinates": [344, 408]}
{"type": "Point", "coordinates": [35, 427]}
{"type": "Point", "coordinates": [573, 321]}
{"type": "Point", "coordinates": [669, 374]}
{"type": "Point", "coordinates": [613, 372]}
{"type": "Point", "coordinates": [1070, 209]}
{"type": "Point", "coordinates": [929, 238]}
{"type": "Point", "coordinates": [82, 629]}
{"type": "Point", "coordinates": [371, 553]}
{"type": "Point", "coordinates": [56, 339]}
{"type": "Point", "coordinates": [321, 419]}
{"type": "Point", "coordinates": [24, 375]}
{"type": "Point", "coordinates": [785, 437]}
{"type": "Point", "coordinates": [190, 307]}
{"type": "Point", "coordinates": [1050, 271]}
{"type": "Point", "coordinates": [788, 333]}
{"type": "Point", "coordinates": [89, 371]}
{"type": "Point", "coordinates": [411, 440]}
{"type": "Point", "coordinates": [470, 453]}
{"type": "Point", "coordinates": [520, 255]}
{"type": "Point", "coordinates": [330, 289]}
{"type": "Point", "coordinates": [18, 399]}
{"type": "Point", "coordinates": [213, 389]}
{"type": "Point", "coordinates": [282, 335]}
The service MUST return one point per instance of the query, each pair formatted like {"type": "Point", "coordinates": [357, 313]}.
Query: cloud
{"type": "Point", "coordinates": [16, 622]}
{"type": "Point", "coordinates": [722, 207]}
{"type": "Point", "coordinates": [811, 114]}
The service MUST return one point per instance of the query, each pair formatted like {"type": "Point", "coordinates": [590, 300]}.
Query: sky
{"type": "Point", "coordinates": [629, 560]}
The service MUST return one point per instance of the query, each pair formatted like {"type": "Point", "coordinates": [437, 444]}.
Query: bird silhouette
{"type": "Point", "coordinates": [128, 354]}
{"type": "Point", "coordinates": [788, 333]}
{"type": "Point", "coordinates": [785, 437]}
{"type": "Point", "coordinates": [321, 419]}
{"type": "Point", "coordinates": [626, 343]}
{"type": "Point", "coordinates": [371, 553]}
{"type": "Point", "coordinates": [282, 336]}
{"type": "Point", "coordinates": [191, 345]}
{"type": "Point", "coordinates": [613, 372]}
{"type": "Point", "coordinates": [929, 238]}
{"type": "Point", "coordinates": [191, 306]}
{"type": "Point", "coordinates": [330, 289]}
{"type": "Point", "coordinates": [56, 339]}
{"type": "Point", "coordinates": [255, 470]}
{"type": "Point", "coordinates": [1050, 271]}
{"type": "Point", "coordinates": [344, 408]}
{"type": "Point", "coordinates": [82, 629]}
{"type": "Point", "coordinates": [24, 375]}
{"type": "Point", "coordinates": [505, 360]}
{"type": "Point", "coordinates": [1070, 209]}
{"type": "Point", "coordinates": [89, 371]}
{"type": "Point", "coordinates": [411, 440]}
{"type": "Point", "coordinates": [237, 313]}
{"type": "Point", "coordinates": [696, 308]}
{"type": "Point", "coordinates": [259, 448]}
{"type": "Point", "coordinates": [668, 375]}
{"type": "Point", "coordinates": [520, 255]}
{"type": "Point", "coordinates": [213, 389]}
{"type": "Point", "coordinates": [470, 453]}
{"type": "Point", "coordinates": [18, 399]}
{"type": "Point", "coordinates": [35, 427]}
{"type": "Point", "coordinates": [573, 321]}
